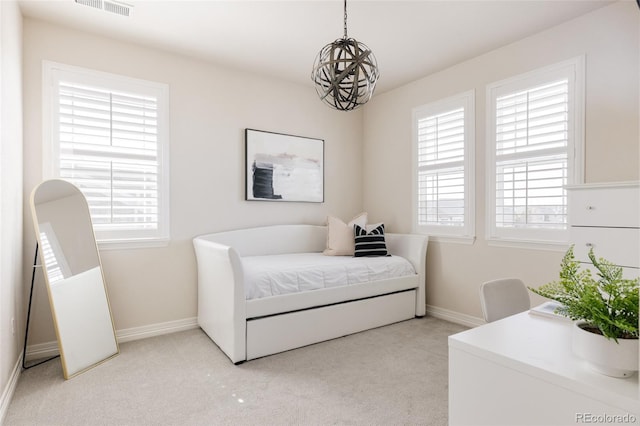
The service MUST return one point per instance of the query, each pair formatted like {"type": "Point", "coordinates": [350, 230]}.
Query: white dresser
{"type": "Point", "coordinates": [606, 217]}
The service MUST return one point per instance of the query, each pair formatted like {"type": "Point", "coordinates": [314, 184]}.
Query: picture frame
{"type": "Point", "coordinates": [283, 168]}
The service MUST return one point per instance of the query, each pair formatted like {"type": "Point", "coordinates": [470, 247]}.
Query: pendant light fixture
{"type": "Point", "coordinates": [345, 72]}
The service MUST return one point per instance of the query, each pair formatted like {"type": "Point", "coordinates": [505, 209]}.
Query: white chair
{"type": "Point", "coordinates": [502, 298]}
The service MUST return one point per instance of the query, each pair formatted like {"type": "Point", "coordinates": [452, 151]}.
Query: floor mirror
{"type": "Point", "coordinates": [73, 276]}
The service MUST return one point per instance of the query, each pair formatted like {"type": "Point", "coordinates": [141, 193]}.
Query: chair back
{"type": "Point", "coordinates": [502, 298]}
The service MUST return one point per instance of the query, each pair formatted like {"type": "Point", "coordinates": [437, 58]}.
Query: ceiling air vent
{"type": "Point", "coordinates": [116, 7]}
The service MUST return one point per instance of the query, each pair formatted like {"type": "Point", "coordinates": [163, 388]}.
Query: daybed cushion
{"type": "Point", "coordinates": [340, 239]}
{"type": "Point", "coordinates": [273, 275]}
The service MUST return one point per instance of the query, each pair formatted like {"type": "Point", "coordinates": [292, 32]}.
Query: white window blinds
{"type": "Point", "coordinates": [535, 150]}
{"type": "Point", "coordinates": [441, 169]}
{"type": "Point", "coordinates": [531, 157]}
{"type": "Point", "coordinates": [109, 141]}
{"type": "Point", "coordinates": [444, 155]}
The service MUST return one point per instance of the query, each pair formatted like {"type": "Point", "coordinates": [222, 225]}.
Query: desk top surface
{"type": "Point", "coordinates": [541, 347]}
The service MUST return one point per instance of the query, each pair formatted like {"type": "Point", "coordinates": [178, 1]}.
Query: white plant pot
{"type": "Point", "coordinates": [605, 355]}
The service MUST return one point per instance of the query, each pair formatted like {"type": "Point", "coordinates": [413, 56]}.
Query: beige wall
{"type": "Point", "coordinates": [210, 108]}
{"type": "Point", "coordinates": [609, 37]}
{"type": "Point", "coordinates": [11, 215]}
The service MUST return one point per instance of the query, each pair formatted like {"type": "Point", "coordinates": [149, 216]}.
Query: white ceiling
{"type": "Point", "coordinates": [410, 39]}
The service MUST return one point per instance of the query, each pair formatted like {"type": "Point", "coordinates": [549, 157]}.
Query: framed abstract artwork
{"type": "Point", "coordinates": [283, 167]}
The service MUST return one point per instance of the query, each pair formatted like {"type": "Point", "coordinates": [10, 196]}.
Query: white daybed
{"type": "Point", "coordinates": [248, 329]}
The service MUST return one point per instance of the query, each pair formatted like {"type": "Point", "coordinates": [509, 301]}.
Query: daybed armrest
{"type": "Point", "coordinates": [221, 299]}
{"type": "Point", "coordinates": [412, 247]}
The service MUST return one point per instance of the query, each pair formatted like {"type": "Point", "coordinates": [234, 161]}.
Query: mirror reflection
{"type": "Point", "coordinates": [73, 274]}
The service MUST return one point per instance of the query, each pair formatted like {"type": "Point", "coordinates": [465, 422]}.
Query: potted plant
{"type": "Point", "coordinates": [605, 310]}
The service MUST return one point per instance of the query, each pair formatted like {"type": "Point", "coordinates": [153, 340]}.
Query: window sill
{"type": "Point", "coordinates": [559, 246]}
{"type": "Point", "coordinates": [452, 239]}
{"type": "Point", "coordinates": [132, 244]}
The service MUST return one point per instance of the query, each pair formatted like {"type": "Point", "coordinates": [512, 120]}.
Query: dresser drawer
{"type": "Point", "coordinates": [614, 206]}
{"type": "Point", "coordinates": [617, 245]}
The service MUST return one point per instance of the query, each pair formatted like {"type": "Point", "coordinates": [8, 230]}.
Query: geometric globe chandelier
{"type": "Point", "coordinates": [345, 72]}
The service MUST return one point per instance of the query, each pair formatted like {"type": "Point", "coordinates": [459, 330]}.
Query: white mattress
{"type": "Point", "coordinates": [273, 275]}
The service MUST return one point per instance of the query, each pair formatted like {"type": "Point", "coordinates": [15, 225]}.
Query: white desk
{"type": "Point", "coordinates": [521, 371]}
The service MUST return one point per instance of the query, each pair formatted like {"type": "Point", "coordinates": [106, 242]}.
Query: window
{"type": "Point", "coordinates": [108, 135]}
{"type": "Point", "coordinates": [534, 151]}
{"type": "Point", "coordinates": [443, 167]}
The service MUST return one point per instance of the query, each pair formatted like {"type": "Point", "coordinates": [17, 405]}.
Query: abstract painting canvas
{"type": "Point", "coordinates": [283, 167]}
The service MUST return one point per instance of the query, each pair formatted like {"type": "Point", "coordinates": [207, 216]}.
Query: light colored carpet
{"type": "Point", "coordinates": [393, 375]}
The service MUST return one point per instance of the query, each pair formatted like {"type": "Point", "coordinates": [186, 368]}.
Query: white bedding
{"type": "Point", "coordinates": [273, 275]}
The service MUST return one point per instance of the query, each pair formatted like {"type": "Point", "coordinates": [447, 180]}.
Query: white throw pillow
{"type": "Point", "coordinates": [340, 236]}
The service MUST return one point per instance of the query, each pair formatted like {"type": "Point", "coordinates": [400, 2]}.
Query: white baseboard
{"type": "Point", "coordinates": [453, 316]}
{"type": "Point", "coordinates": [49, 349]}
{"type": "Point", "coordinates": [137, 333]}
{"type": "Point", "coordinates": [41, 350]}
{"type": "Point", "coordinates": [7, 393]}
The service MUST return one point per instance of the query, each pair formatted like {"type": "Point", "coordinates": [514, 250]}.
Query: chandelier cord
{"type": "Point", "coordinates": [345, 18]}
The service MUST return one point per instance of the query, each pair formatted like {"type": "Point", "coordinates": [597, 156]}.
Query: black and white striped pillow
{"type": "Point", "coordinates": [370, 243]}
